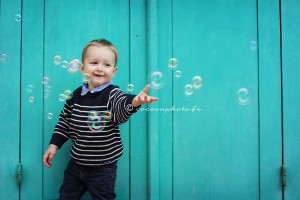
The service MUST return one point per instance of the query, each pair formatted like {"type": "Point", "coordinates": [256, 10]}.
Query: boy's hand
{"type": "Point", "coordinates": [143, 97]}
{"type": "Point", "coordinates": [49, 155]}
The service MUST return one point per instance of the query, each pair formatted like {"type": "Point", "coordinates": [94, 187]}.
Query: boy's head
{"type": "Point", "coordinates": [99, 59]}
{"type": "Point", "coordinates": [100, 43]}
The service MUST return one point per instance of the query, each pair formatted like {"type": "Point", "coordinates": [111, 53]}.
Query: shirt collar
{"type": "Point", "coordinates": [85, 89]}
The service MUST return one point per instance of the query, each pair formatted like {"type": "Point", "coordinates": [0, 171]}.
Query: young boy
{"type": "Point", "coordinates": [91, 118]}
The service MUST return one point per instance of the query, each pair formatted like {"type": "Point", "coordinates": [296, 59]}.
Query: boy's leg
{"type": "Point", "coordinates": [101, 182]}
{"type": "Point", "coordinates": [73, 187]}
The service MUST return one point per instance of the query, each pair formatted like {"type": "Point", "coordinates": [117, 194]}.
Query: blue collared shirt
{"type": "Point", "coordinates": [85, 89]}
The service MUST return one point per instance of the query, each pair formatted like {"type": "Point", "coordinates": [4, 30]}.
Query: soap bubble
{"type": "Point", "coordinates": [130, 87]}
{"type": "Point", "coordinates": [29, 88]}
{"type": "Point", "coordinates": [96, 122]}
{"type": "Point", "coordinates": [57, 60]}
{"type": "Point", "coordinates": [64, 64]}
{"type": "Point", "coordinates": [172, 63]}
{"type": "Point", "coordinates": [3, 57]}
{"type": "Point", "coordinates": [107, 114]}
{"type": "Point", "coordinates": [47, 91]}
{"type": "Point", "coordinates": [188, 89]}
{"type": "Point", "coordinates": [243, 96]}
{"type": "Point", "coordinates": [197, 82]}
{"type": "Point", "coordinates": [86, 77]}
{"type": "Point", "coordinates": [31, 99]}
{"type": "Point", "coordinates": [49, 115]}
{"type": "Point", "coordinates": [68, 94]}
{"type": "Point", "coordinates": [177, 73]}
{"type": "Point", "coordinates": [46, 80]}
{"type": "Point", "coordinates": [73, 65]}
{"type": "Point", "coordinates": [61, 97]}
{"type": "Point", "coordinates": [18, 17]}
{"type": "Point", "coordinates": [157, 80]}
{"type": "Point", "coordinates": [253, 45]}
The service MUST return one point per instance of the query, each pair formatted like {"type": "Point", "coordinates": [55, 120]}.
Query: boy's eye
{"type": "Point", "coordinates": [107, 65]}
{"type": "Point", "coordinates": [94, 63]}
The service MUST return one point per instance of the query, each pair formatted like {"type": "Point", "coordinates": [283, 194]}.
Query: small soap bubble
{"type": "Point", "coordinates": [157, 80]}
{"type": "Point", "coordinates": [107, 114]}
{"type": "Point", "coordinates": [73, 65]}
{"type": "Point", "coordinates": [253, 45]}
{"type": "Point", "coordinates": [86, 77]}
{"type": "Point", "coordinates": [46, 80]}
{"type": "Point", "coordinates": [46, 96]}
{"type": "Point", "coordinates": [178, 73]}
{"type": "Point", "coordinates": [68, 94]}
{"type": "Point", "coordinates": [188, 89]}
{"type": "Point", "coordinates": [3, 57]}
{"type": "Point", "coordinates": [64, 64]}
{"type": "Point", "coordinates": [130, 87]}
{"type": "Point", "coordinates": [29, 88]}
{"type": "Point", "coordinates": [93, 113]}
{"type": "Point", "coordinates": [47, 89]}
{"type": "Point", "coordinates": [61, 97]}
{"type": "Point", "coordinates": [96, 123]}
{"type": "Point", "coordinates": [18, 17]}
{"type": "Point", "coordinates": [31, 99]}
{"type": "Point", "coordinates": [172, 63]}
{"type": "Point", "coordinates": [49, 115]}
{"type": "Point", "coordinates": [197, 82]}
{"type": "Point", "coordinates": [243, 96]}
{"type": "Point", "coordinates": [57, 60]}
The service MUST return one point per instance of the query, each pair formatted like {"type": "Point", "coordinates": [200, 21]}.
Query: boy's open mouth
{"type": "Point", "coordinates": [99, 75]}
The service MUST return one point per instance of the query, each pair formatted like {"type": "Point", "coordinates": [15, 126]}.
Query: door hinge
{"type": "Point", "coordinates": [283, 176]}
{"type": "Point", "coordinates": [19, 174]}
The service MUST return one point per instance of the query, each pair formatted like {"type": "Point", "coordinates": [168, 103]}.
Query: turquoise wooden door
{"type": "Point", "coordinates": [216, 146]}
{"type": "Point", "coordinates": [10, 69]}
{"type": "Point", "coordinates": [290, 96]}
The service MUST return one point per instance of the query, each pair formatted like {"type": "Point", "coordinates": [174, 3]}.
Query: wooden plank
{"type": "Point", "coordinates": [32, 89]}
{"type": "Point", "coordinates": [269, 99]}
{"type": "Point", "coordinates": [166, 98]}
{"type": "Point", "coordinates": [138, 122]}
{"type": "Point", "coordinates": [10, 48]}
{"type": "Point", "coordinates": [290, 89]}
{"type": "Point", "coordinates": [153, 117]}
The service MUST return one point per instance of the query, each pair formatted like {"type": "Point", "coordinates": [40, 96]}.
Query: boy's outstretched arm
{"type": "Point", "coordinates": [143, 97]}
{"type": "Point", "coordinates": [49, 155]}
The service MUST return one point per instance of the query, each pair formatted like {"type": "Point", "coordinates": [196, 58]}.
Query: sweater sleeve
{"type": "Point", "coordinates": [120, 104]}
{"type": "Point", "coordinates": [61, 130]}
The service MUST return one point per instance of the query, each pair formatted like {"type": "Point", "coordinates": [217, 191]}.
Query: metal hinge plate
{"type": "Point", "coordinates": [19, 174]}
{"type": "Point", "coordinates": [283, 176]}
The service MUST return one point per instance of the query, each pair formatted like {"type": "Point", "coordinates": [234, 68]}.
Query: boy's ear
{"type": "Point", "coordinates": [81, 68]}
{"type": "Point", "coordinates": [115, 69]}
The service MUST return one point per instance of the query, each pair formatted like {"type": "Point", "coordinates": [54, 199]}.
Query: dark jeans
{"type": "Point", "coordinates": [99, 181]}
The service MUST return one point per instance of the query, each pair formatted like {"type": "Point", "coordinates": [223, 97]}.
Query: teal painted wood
{"type": "Point", "coordinates": [269, 100]}
{"type": "Point", "coordinates": [10, 40]}
{"type": "Point", "coordinates": [291, 106]}
{"type": "Point", "coordinates": [166, 97]}
{"type": "Point", "coordinates": [153, 117]}
{"type": "Point", "coordinates": [32, 112]}
{"type": "Point", "coordinates": [67, 30]}
{"type": "Point", "coordinates": [138, 122]}
{"type": "Point", "coordinates": [216, 150]}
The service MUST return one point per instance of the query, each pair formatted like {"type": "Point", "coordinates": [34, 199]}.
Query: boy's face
{"type": "Point", "coordinates": [98, 65]}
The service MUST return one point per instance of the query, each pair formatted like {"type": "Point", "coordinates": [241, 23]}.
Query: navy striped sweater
{"type": "Point", "coordinates": [92, 122]}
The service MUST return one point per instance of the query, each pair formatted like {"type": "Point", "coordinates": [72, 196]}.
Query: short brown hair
{"type": "Point", "coordinates": [100, 43]}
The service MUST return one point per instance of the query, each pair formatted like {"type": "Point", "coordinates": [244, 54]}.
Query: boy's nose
{"type": "Point", "coordinates": [99, 68]}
